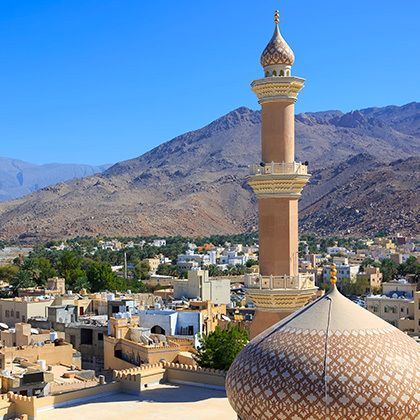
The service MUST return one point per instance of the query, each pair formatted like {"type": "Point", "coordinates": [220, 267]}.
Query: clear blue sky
{"type": "Point", "coordinates": [99, 81]}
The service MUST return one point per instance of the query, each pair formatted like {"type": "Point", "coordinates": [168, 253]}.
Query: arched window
{"type": "Point", "coordinates": [274, 73]}
{"type": "Point", "coordinates": [281, 73]}
{"type": "Point", "coordinates": [267, 73]}
{"type": "Point", "coordinates": [288, 73]}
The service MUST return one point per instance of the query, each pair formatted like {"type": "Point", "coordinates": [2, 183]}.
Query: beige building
{"type": "Point", "coordinates": [374, 276]}
{"type": "Point", "coordinates": [153, 264]}
{"type": "Point", "coordinates": [13, 310]}
{"type": "Point", "coordinates": [51, 353]}
{"type": "Point", "coordinates": [24, 335]}
{"type": "Point", "coordinates": [200, 286]}
{"type": "Point", "coordinates": [396, 301]}
{"type": "Point", "coordinates": [128, 345]}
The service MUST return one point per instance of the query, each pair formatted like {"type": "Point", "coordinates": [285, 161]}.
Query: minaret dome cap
{"type": "Point", "coordinates": [277, 51]}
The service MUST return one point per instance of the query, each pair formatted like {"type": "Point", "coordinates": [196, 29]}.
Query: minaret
{"type": "Point", "coordinates": [278, 181]}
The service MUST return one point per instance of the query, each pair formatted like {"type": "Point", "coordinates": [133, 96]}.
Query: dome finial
{"type": "Point", "coordinates": [277, 52]}
{"type": "Point", "coordinates": [333, 274]}
{"type": "Point", "coordinates": [276, 17]}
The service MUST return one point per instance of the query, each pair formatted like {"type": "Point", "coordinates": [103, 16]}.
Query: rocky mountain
{"type": "Point", "coordinates": [364, 196]}
{"type": "Point", "coordinates": [18, 178]}
{"type": "Point", "coordinates": [195, 184]}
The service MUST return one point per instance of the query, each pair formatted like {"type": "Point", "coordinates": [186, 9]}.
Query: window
{"type": "Point", "coordinates": [281, 73]}
{"type": "Point", "coordinates": [17, 314]}
{"type": "Point", "coordinates": [100, 337]}
{"type": "Point", "coordinates": [7, 314]}
{"type": "Point", "coordinates": [23, 318]}
{"type": "Point", "coordinates": [86, 336]}
{"type": "Point", "coordinates": [12, 313]}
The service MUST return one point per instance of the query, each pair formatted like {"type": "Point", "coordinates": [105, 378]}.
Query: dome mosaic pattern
{"type": "Point", "coordinates": [332, 359]}
{"type": "Point", "coordinates": [277, 51]}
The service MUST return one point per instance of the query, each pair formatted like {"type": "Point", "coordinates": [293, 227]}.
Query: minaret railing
{"type": "Point", "coordinates": [282, 168]}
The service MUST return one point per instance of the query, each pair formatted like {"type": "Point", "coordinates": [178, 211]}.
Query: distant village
{"type": "Point", "coordinates": [72, 312]}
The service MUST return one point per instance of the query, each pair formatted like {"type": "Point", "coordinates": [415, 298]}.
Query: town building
{"type": "Point", "coordinates": [20, 309]}
{"type": "Point", "coordinates": [129, 345]}
{"type": "Point", "coordinates": [374, 277]}
{"type": "Point", "coordinates": [199, 286]}
{"type": "Point", "coordinates": [158, 243]}
{"type": "Point", "coordinates": [395, 302]}
{"type": "Point", "coordinates": [153, 264]}
{"type": "Point", "coordinates": [344, 272]}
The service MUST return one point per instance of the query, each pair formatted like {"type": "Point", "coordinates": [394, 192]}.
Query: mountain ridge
{"type": "Point", "coordinates": [195, 184]}
{"type": "Point", "coordinates": [18, 177]}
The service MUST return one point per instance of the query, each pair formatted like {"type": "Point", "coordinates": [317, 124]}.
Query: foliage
{"type": "Point", "coordinates": [251, 262]}
{"type": "Point", "coordinates": [141, 270]}
{"type": "Point", "coordinates": [21, 280]}
{"type": "Point", "coordinates": [410, 267]}
{"type": "Point", "coordinates": [8, 272]}
{"type": "Point", "coordinates": [218, 349]}
{"type": "Point", "coordinates": [389, 269]}
{"type": "Point", "coordinates": [358, 287]}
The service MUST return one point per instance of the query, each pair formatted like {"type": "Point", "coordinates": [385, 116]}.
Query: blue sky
{"type": "Point", "coordinates": [98, 81]}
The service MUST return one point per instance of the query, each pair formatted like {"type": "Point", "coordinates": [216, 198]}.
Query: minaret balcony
{"type": "Point", "coordinates": [278, 179]}
{"type": "Point", "coordinates": [283, 168]}
{"type": "Point", "coordinates": [300, 282]}
{"type": "Point", "coordinates": [272, 89]}
{"type": "Point", "coordinates": [280, 293]}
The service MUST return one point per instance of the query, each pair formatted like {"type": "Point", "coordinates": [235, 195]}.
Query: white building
{"type": "Point", "coordinates": [159, 242]}
{"type": "Point", "coordinates": [344, 271]}
{"type": "Point", "coordinates": [337, 250]}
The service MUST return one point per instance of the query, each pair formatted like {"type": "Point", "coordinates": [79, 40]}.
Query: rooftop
{"type": "Point", "coordinates": [181, 401]}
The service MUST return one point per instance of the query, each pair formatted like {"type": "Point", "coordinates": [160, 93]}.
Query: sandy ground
{"type": "Point", "coordinates": [161, 402]}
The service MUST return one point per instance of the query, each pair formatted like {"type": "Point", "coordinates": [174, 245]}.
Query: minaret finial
{"type": "Point", "coordinates": [333, 274]}
{"type": "Point", "coordinates": [276, 17]}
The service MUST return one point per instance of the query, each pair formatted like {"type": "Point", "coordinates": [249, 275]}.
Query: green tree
{"type": "Point", "coordinates": [251, 262]}
{"type": "Point", "coordinates": [141, 270]}
{"type": "Point", "coordinates": [358, 287]}
{"type": "Point", "coordinates": [369, 262]}
{"type": "Point", "coordinates": [101, 277]}
{"type": "Point", "coordinates": [218, 349]}
{"type": "Point", "coordinates": [21, 280]}
{"type": "Point", "coordinates": [411, 266]}
{"type": "Point", "coordinates": [7, 273]}
{"type": "Point", "coordinates": [81, 283]}
{"type": "Point", "coordinates": [40, 269]}
{"type": "Point", "coordinates": [215, 271]}
{"type": "Point", "coordinates": [389, 269]}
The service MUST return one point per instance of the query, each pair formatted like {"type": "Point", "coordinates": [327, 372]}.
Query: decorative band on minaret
{"type": "Point", "coordinates": [278, 181]}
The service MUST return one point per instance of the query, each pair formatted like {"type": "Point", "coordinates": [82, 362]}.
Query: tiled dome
{"type": "Point", "coordinates": [330, 360]}
{"type": "Point", "coordinates": [277, 51]}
